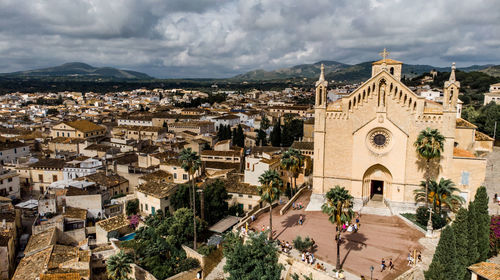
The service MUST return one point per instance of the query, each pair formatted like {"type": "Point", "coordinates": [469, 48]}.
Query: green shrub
{"type": "Point", "coordinates": [206, 250]}
{"type": "Point", "coordinates": [422, 217]}
{"type": "Point", "coordinates": [302, 245]}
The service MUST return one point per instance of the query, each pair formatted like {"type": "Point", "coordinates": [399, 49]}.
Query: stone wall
{"type": "Point", "coordinates": [139, 273]}
{"type": "Point", "coordinates": [186, 275]}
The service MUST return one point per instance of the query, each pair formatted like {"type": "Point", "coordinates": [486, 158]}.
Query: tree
{"type": "Point", "coordinates": [261, 138]}
{"type": "Point", "coordinates": [215, 197]}
{"type": "Point", "coordinates": [265, 124]}
{"type": "Point", "coordinates": [118, 266]}
{"type": "Point", "coordinates": [276, 135]}
{"type": "Point", "coordinates": [483, 223]}
{"type": "Point", "coordinates": [238, 137]}
{"type": "Point", "coordinates": [460, 229]}
{"type": "Point", "coordinates": [270, 190]}
{"type": "Point", "coordinates": [292, 130]}
{"type": "Point", "coordinates": [444, 264]}
{"type": "Point", "coordinates": [488, 115]}
{"type": "Point", "coordinates": [255, 259]}
{"type": "Point", "coordinates": [472, 248]}
{"type": "Point", "coordinates": [439, 194]}
{"type": "Point", "coordinates": [191, 162]}
{"type": "Point", "coordinates": [181, 197]}
{"type": "Point", "coordinates": [429, 145]}
{"type": "Point", "coordinates": [224, 132]}
{"type": "Point", "coordinates": [293, 162]}
{"type": "Point", "coordinates": [132, 207]}
{"type": "Point", "coordinates": [338, 207]}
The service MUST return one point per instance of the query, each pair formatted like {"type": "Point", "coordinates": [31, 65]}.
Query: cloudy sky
{"type": "Point", "coordinates": [216, 38]}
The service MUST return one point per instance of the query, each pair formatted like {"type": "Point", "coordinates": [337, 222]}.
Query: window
{"type": "Point", "coordinates": [146, 206]}
{"type": "Point", "coordinates": [142, 207]}
{"type": "Point", "coordinates": [184, 176]}
{"type": "Point", "coordinates": [54, 178]}
{"type": "Point", "coordinates": [10, 189]}
{"type": "Point", "coordinates": [9, 180]}
{"type": "Point", "coordinates": [153, 210]}
{"type": "Point", "coordinates": [240, 195]}
{"type": "Point", "coordinates": [249, 196]}
{"type": "Point", "coordinates": [249, 206]}
{"type": "Point", "coordinates": [167, 210]}
{"type": "Point", "coordinates": [175, 175]}
{"type": "Point", "coordinates": [40, 177]}
{"type": "Point", "coordinates": [465, 178]}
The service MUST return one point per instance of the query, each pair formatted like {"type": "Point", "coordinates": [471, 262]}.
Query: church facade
{"type": "Point", "coordinates": [365, 140]}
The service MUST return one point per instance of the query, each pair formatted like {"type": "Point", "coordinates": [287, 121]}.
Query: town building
{"type": "Point", "coordinates": [78, 129]}
{"type": "Point", "coordinates": [365, 140]}
{"type": "Point", "coordinates": [493, 95]}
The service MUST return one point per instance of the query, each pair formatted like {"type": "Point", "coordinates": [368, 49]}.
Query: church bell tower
{"type": "Point", "coordinates": [320, 130]}
{"type": "Point", "coordinates": [451, 90]}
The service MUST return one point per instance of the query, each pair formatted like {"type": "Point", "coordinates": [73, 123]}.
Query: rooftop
{"type": "Point", "coordinates": [457, 152]}
{"type": "Point", "coordinates": [156, 189]}
{"type": "Point", "coordinates": [84, 125]}
{"type": "Point", "coordinates": [303, 145]}
{"type": "Point", "coordinates": [461, 123]}
{"type": "Point", "coordinates": [40, 241]}
{"type": "Point", "coordinates": [489, 271]}
{"type": "Point", "coordinates": [100, 178]}
{"type": "Point", "coordinates": [113, 223]}
{"type": "Point", "coordinates": [54, 163]}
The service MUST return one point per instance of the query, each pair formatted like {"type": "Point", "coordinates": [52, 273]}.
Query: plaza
{"type": "Point", "coordinates": [378, 237]}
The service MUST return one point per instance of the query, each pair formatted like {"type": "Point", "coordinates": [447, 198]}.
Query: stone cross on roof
{"type": "Point", "coordinates": [384, 53]}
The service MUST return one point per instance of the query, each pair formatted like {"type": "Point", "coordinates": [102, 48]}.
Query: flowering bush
{"type": "Point", "coordinates": [494, 235]}
{"type": "Point", "coordinates": [134, 221]}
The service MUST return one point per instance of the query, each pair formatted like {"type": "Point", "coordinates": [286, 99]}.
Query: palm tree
{"type": "Point", "coordinates": [270, 190]}
{"type": "Point", "coordinates": [191, 162]}
{"type": "Point", "coordinates": [440, 194]}
{"type": "Point", "coordinates": [292, 161]}
{"type": "Point", "coordinates": [429, 145]}
{"type": "Point", "coordinates": [118, 266]}
{"type": "Point", "coordinates": [338, 207]}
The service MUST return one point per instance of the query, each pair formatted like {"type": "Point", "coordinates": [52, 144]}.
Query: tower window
{"type": "Point", "coordinates": [392, 71]}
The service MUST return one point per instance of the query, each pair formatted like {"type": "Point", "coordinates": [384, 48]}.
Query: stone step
{"type": "Point", "coordinates": [380, 211]}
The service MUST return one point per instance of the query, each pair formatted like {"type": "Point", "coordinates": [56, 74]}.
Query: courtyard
{"type": "Point", "coordinates": [378, 237]}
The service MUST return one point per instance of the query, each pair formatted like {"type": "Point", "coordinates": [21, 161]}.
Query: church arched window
{"type": "Point", "coordinates": [392, 71]}
{"type": "Point", "coordinates": [409, 103]}
{"type": "Point", "coordinates": [373, 87]}
{"type": "Point", "coordinates": [415, 106]}
{"type": "Point", "coordinates": [400, 94]}
{"type": "Point", "coordinates": [364, 95]}
{"type": "Point", "coordinates": [349, 105]}
{"type": "Point", "coordinates": [390, 89]}
{"type": "Point", "coordinates": [404, 100]}
{"type": "Point", "coordinates": [369, 90]}
{"type": "Point", "coordinates": [354, 102]}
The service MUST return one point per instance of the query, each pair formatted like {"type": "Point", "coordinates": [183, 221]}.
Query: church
{"type": "Point", "coordinates": [364, 141]}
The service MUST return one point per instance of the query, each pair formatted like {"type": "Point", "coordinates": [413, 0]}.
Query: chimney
{"type": "Point", "coordinates": [4, 225]}
{"type": "Point", "coordinates": [64, 209]}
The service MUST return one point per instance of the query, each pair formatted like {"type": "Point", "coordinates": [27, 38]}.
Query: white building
{"type": "Point", "coordinates": [74, 169]}
{"type": "Point", "coordinates": [493, 95]}
{"type": "Point", "coordinates": [10, 152]}
{"type": "Point", "coordinates": [229, 119]}
{"type": "Point", "coordinates": [136, 121]}
{"type": "Point", "coordinates": [430, 94]}
{"type": "Point", "coordinates": [9, 184]}
{"type": "Point", "coordinates": [257, 164]}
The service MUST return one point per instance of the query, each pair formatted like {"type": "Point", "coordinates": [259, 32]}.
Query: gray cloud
{"type": "Point", "coordinates": [216, 38]}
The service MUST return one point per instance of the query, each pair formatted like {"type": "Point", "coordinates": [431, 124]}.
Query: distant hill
{"type": "Point", "coordinates": [492, 70]}
{"type": "Point", "coordinates": [344, 72]}
{"type": "Point", "coordinates": [78, 70]}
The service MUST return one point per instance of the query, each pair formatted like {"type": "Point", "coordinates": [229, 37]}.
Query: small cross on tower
{"type": "Point", "coordinates": [384, 54]}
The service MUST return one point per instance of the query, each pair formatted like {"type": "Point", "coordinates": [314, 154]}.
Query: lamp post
{"type": "Point", "coordinates": [371, 272]}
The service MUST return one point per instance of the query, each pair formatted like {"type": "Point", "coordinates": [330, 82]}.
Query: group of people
{"type": "Point", "coordinates": [384, 265]}
{"type": "Point", "coordinates": [411, 258]}
{"type": "Point", "coordinates": [350, 227]}
{"type": "Point", "coordinates": [285, 246]}
{"type": "Point", "coordinates": [297, 206]}
{"type": "Point", "coordinates": [307, 257]}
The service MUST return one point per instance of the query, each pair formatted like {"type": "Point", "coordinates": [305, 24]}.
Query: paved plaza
{"type": "Point", "coordinates": [379, 237]}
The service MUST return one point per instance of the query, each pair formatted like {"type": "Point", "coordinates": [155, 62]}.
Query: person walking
{"type": "Point", "coordinates": [391, 264]}
{"type": "Point", "coordinates": [301, 220]}
{"type": "Point", "coordinates": [382, 265]}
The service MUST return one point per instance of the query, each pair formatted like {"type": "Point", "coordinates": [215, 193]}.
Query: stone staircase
{"type": "Point", "coordinates": [376, 206]}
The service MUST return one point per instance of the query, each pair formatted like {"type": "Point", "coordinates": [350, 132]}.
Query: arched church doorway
{"type": "Point", "coordinates": [376, 182]}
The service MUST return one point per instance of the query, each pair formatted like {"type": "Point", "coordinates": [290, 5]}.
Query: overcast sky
{"type": "Point", "coordinates": [216, 38]}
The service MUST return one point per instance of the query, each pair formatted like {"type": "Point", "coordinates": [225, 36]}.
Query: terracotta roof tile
{"type": "Point", "coordinates": [457, 152]}
{"type": "Point", "coordinates": [490, 271]}
{"type": "Point", "coordinates": [464, 124]}
{"type": "Point", "coordinates": [84, 125]}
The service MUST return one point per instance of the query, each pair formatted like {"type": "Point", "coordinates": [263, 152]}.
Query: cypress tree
{"type": "Point", "coordinates": [276, 135]}
{"type": "Point", "coordinates": [483, 223]}
{"type": "Point", "coordinates": [444, 262]}
{"type": "Point", "coordinates": [472, 252]}
{"type": "Point", "coordinates": [460, 229]}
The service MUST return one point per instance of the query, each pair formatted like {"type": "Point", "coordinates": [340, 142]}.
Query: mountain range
{"type": "Point", "coordinates": [345, 72]}
{"type": "Point", "coordinates": [78, 70]}
{"type": "Point", "coordinates": [333, 71]}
